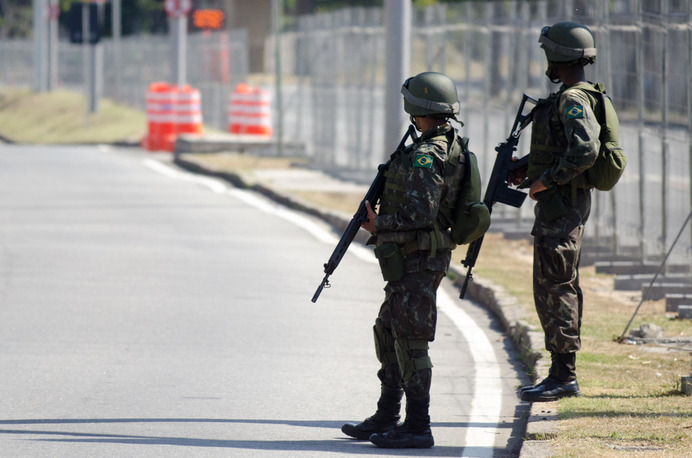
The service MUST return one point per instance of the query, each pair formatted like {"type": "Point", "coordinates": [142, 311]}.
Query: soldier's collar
{"type": "Point", "coordinates": [436, 131]}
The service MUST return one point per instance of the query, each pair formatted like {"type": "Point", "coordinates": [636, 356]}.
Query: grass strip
{"type": "Point", "coordinates": [61, 117]}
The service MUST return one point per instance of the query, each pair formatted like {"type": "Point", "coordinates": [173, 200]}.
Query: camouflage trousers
{"type": "Point", "coordinates": [557, 295]}
{"type": "Point", "coordinates": [409, 312]}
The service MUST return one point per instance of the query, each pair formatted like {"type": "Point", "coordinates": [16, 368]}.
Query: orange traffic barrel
{"type": "Point", "coordinates": [189, 111]}
{"type": "Point", "coordinates": [249, 111]}
{"type": "Point", "coordinates": [160, 109]}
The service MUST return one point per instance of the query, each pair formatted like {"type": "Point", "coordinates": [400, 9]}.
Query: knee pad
{"type": "Point", "coordinates": [408, 364]}
{"type": "Point", "coordinates": [384, 345]}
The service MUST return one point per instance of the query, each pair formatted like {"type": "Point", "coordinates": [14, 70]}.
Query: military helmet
{"type": "Point", "coordinates": [430, 93]}
{"type": "Point", "coordinates": [568, 42]}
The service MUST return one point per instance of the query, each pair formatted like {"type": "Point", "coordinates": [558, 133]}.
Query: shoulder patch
{"type": "Point", "coordinates": [423, 160]}
{"type": "Point", "coordinates": [575, 112]}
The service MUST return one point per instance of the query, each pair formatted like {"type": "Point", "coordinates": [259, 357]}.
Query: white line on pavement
{"type": "Point", "coordinates": [487, 393]}
{"type": "Point", "coordinates": [486, 401]}
{"type": "Point", "coordinates": [165, 170]}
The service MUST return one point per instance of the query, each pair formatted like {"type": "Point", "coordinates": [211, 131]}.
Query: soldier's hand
{"type": "Point", "coordinates": [516, 177]}
{"type": "Point", "coordinates": [536, 187]}
{"type": "Point", "coordinates": [369, 225]}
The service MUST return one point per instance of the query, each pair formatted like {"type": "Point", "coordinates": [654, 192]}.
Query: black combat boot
{"type": "Point", "coordinates": [563, 385]}
{"type": "Point", "coordinates": [552, 373]}
{"type": "Point", "coordinates": [385, 419]}
{"type": "Point", "coordinates": [414, 433]}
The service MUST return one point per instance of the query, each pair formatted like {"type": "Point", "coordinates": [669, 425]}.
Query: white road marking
{"type": "Point", "coordinates": [165, 170]}
{"type": "Point", "coordinates": [487, 392]}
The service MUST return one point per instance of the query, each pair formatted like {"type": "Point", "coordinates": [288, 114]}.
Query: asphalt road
{"type": "Point", "coordinates": [148, 312]}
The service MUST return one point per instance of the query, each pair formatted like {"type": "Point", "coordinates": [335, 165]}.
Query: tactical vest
{"type": "Point", "coordinates": [395, 198]}
{"type": "Point", "coordinates": [548, 139]}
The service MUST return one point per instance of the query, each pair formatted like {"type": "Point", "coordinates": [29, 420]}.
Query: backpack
{"type": "Point", "coordinates": [462, 208]}
{"type": "Point", "coordinates": [611, 161]}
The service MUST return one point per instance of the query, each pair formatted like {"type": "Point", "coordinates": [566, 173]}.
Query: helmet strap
{"type": "Point", "coordinates": [413, 121]}
{"type": "Point", "coordinates": [550, 73]}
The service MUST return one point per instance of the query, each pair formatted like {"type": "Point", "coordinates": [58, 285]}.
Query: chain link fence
{"type": "Point", "coordinates": [333, 66]}
{"type": "Point", "coordinates": [332, 73]}
{"type": "Point", "coordinates": [217, 61]}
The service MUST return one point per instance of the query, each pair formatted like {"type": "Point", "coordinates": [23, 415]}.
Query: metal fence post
{"type": "Point", "coordinates": [689, 111]}
{"type": "Point", "coordinates": [277, 26]}
{"type": "Point", "coordinates": [640, 124]}
{"type": "Point", "coordinates": [664, 127]}
{"type": "Point", "coordinates": [398, 66]}
{"type": "Point", "coordinates": [40, 52]}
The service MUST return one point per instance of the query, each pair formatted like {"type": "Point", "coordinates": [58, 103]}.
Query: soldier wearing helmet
{"type": "Point", "coordinates": [564, 145]}
{"type": "Point", "coordinates": [414, 247]}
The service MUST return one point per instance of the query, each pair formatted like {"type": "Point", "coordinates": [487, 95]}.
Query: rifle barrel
{"type": "Point", "coordinates": [498, 190]}
{"type": "Point", "coordinates": [325, 282]}
{"type": "Point", "coordinates": [372, 196]}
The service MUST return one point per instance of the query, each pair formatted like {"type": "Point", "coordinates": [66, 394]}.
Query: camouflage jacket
{"type": "Point", "coordinates": [564, 137]}
{"type": "Point", "coordinates": [564, 144]}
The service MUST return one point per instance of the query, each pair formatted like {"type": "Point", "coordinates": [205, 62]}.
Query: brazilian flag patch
{"type": "Point", "coordinates": [423, 160]}
{"type": "Point", "coordinates": [575, 112]}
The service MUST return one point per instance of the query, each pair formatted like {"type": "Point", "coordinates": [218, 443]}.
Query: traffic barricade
{"type": "Point", "coordinates": [188, 114]}
{"type": "Point", "coordinates": [249, 111]}
{"type": "Point", "coordinates": [160, 109]}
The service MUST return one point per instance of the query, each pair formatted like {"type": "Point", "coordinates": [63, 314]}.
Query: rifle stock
{"type": "Point", "coordinates": [498, 190]}
{"type": "Point", "coordinates": [373, 196]}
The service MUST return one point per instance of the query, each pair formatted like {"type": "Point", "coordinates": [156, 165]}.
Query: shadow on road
{"type": "Point", "coordinates": [338, 444]}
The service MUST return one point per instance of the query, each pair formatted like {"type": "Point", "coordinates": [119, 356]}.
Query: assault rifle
{"type": "Point", "coordinates": [373, 196]}
{"type": "Point", "coordinates": [498, 190]}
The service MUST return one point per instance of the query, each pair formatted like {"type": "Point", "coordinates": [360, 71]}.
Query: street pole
{"type": "Point", "coordinates": [96, 79]}
{"type": "Point", "coordinates": [96, 88]}
{"type": "Point", "coordinates": [39, 32]}
{"type": "Point", "coordinates": [276, 6]}
{"type": "Point", "coordinates": [52, 45]}
{"type": "Point", "coordinates": [117, 32]}
{"type": "Point", "coordinates": [398, 65]}
{"type": "Point", "coordinates": [86, 59]}
{"type": "Point", "coordinates": [178, 26]}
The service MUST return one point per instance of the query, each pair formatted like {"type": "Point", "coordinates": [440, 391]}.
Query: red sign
{"type": "Point", "coordinates": [177, 8]}
{"type": "Point", "coordinates": [53, 12]}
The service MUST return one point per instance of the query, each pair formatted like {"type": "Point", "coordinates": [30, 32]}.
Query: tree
{"type": "Point", "coordinates": [15, 18]}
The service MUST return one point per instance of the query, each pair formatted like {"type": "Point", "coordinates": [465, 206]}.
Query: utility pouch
{"type": "Point", "coordinates": [391, 261]}
{"type": "Point", "coordinates": [552, 204]}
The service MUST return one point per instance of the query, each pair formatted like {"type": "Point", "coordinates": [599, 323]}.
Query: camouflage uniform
{"type": "Point", "coordinates": [413, 245]}
{"type": "Point", "coordinates": [564, 144]}
{"type": "Point", "coordinates": [407, 216]}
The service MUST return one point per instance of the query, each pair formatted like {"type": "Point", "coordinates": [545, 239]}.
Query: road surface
{"type": "Point", "coordinates": [148, 312]}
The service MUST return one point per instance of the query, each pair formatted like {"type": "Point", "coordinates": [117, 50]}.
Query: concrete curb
{"type": "Point", "coordinates": [542, 421]}
{"type": "Point", "coordinates": [219, 142]}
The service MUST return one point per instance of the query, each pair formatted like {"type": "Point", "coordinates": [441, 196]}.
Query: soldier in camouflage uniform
{"type": "Point", "coordinates": [564, 144]}
{"type": "Point", "coordinates": [414, 247]}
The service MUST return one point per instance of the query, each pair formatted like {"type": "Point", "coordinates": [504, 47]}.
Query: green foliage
{"type": "Point", "coordinates": [15, 18]}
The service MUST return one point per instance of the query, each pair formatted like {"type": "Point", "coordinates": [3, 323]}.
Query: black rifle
{"type": "Point", "coordinates": [373, 196]}
{"type": "Point", "coordinates": [498, 190]}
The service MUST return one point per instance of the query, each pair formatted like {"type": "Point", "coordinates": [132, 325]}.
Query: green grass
{"type": "Point", "coordinates": [62, 117]}
{"type": "Point", "coordinates": [631, 394]}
